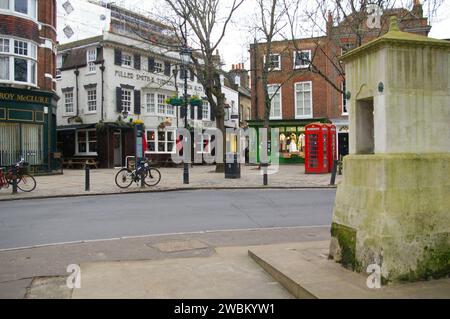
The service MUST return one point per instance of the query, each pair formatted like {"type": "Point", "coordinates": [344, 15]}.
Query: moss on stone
{"type": "Point", "coordinates": [346, 238]}
{"type": "Point", "coordinates": [434, 264]}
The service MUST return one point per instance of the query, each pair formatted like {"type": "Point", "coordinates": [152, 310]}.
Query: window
{"type": "Point", "coordinates": [18, 61]}
{"type": "Point", "coordinates": [127, 60]}
{"type": "Point", "coordinates": [344, 100]}
{"type": "Point", "coordinates": [68, 102]}
{"type": "Point", "coordinates": [158, 67]}
{"type": "Point", "coordinates": [274, 62]}
{"type": "Point", "coordinates": [4, 45]}
{"type": "Point", "coordinates": [161, 104]}
{"type": "Point", "coordinates": [4, 68]}
{"type": "Point", "coordinates": [275, 96]}
{"type": "Point", "coordinates": [91, 58]}
{"type": "Point", "coordinates": [59, 62]}
{"type": "Point", "coordinates": [150, 103]}
{"type": "Point", "coordinates": [303, 100]}
{"type": "Point", "coordinates": [170, 110]}
{"type": "Point", "coordinates": [205, 111]}
{"type": "Point", "coordinates": [4, 4]}
{"type": "Point", "coordinates": [20, 47]}
{"type": "Point", "coordinates": [302, 59]}
{"type": "Point", "coordinates": [126, 100]}
{"type": "Point", "coordinates": [21, 6]}
{"type": "Point", "coordinates": [27, 7]}
{"type": "Point", "coordinates": [92, 100]}
{"type": "Point", "coordinates": [160, 141]}
{"type": "Point", "coordinates": [86, 142]}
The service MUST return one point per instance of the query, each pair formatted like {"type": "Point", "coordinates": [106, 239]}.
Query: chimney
{"type": "Point", "coordinates": [417, 9]}
{"type": "Point", "coordinates": [329, 23]}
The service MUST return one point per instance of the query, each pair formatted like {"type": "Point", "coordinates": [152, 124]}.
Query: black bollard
{"type": "Point", "coordinates": [14, 180]}
{"type": "Point", "coordinates": [143, 177]}
{"type": "Point", "coordinates": [265, 176]}
{"type": "Point", "coordinates": [333, 172]}
{"type": "Point", "coordinates": [87, 180]}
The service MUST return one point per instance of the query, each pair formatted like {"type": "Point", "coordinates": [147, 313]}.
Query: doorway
{"type": "Point", "coordinates": [364, 135]}
{"type": "Point", "coordinates": [343, 144]}
{"type": "Point", "coordinates": [117, 142]}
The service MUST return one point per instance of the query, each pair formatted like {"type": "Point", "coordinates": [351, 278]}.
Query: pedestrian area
{"type": "Point", "coordinates": [72, 182]}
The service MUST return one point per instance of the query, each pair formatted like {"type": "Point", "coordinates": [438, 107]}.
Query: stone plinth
{"type": "Point", "coordinates": [393, 205]}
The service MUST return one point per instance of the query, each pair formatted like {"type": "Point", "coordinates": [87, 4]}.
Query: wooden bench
{"type": "Point", "coordinates": [73, 162]}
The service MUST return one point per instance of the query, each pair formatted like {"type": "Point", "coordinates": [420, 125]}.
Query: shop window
{"type": "Point", "coordinates": [275, 97]}
{"type": "Point", "coordinates": [160, 141]}
{"type": "Point", "coordinates": [86, 142]}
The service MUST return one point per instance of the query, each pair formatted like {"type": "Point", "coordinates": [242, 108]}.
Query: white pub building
{"type": "Point", "coordinates": [108, 81]}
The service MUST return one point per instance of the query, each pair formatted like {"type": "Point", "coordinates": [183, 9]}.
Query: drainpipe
{"type": "Point", "coordinates": [77, 73]}
{"type": "Point", "coordinates": [102, 68]}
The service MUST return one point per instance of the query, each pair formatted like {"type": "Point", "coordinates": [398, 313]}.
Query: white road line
{"type": "Point", "coordinates": [165, 234]}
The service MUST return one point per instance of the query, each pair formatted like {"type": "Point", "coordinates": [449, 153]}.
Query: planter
{"type": "Point", "coordinates": [196, 102]}
{"type": "Point", "coordinates": [175, 101]}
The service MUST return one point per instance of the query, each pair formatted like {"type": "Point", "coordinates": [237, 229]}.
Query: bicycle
{"type": "Point", "coordinates": [25, 182]}
{"type": "Point", "coordinates": [125, 177]}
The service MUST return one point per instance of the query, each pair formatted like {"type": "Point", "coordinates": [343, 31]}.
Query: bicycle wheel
{"type": "Point", "coordinates": [124, 178]}
{"type": "Point", "coordinates": [26, 183]}
{"type": "Point", "coordinates": [152, 177]}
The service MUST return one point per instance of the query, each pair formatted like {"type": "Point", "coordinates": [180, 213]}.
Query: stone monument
{"type": "Point", "coordinates": [393, 205]}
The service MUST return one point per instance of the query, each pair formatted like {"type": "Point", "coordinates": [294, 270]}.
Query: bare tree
{"type": "Point", "coordinates": [207, 22]}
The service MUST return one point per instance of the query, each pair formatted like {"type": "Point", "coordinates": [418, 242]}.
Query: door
{"type": "Point", "coordinates": [117, 140]}
{"type": "Point", "coordinates": [343, 144]}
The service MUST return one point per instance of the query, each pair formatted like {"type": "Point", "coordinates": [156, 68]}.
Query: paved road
{"type": "Point", "coordinates": [47, 221]}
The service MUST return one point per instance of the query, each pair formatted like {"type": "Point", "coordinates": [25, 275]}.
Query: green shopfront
{"type": "Point", "coordinates": [28, 128]}
{"type": "Point", "coordinates": [291, 137]}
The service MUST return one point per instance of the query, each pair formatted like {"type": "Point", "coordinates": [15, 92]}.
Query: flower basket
{"type": "Point", "coordinates": [175, 101]}
{"type": "Point", "coordinates": [195, 102]}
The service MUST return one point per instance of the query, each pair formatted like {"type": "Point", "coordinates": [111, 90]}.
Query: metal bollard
{"type": "Point", "coordinates": [87, 179]}
{"type": "Point", "coordinates": [333, 172]}
{"type": "Point", "coordinates": [265, 176]}
{"type": "Point", "coordinates": [14, 181]}
{"type": "Point", "coordinates": [143, 178]}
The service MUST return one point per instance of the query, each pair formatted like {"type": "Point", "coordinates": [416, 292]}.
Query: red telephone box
{"type": "Point", "coordinates": [331, 146]}
{"type": "Point", "coordinates": [316, 148]}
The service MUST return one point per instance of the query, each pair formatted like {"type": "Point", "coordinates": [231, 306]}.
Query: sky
{"type": "Point", "coordinates": [234, 47]}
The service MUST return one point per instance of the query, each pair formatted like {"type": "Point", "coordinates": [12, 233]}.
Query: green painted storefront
{"type": "Point", "coordinates": [290, 131]}
{"type": "Point", "coordinates": [28, 128]}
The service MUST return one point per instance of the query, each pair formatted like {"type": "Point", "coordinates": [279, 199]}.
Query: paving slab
{"type": "Point", "coordinates": [305, 270]}
{"type": "Point", "coordinates": [71, 183]}
{"type": "Point", "coordinates": [230, 274]}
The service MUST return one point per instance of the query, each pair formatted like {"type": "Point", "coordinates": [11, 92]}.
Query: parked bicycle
{"type": "Point", "coordinates": [125, 177]}
{"type": "Point", "coordinates": [25, 182]}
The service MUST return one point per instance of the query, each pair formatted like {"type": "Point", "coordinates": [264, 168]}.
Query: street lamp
{"type": "Point", "coordinates": [185, 60]}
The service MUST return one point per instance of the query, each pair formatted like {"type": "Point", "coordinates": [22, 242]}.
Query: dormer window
{"type": "Point", "coordinates": [91, 57]}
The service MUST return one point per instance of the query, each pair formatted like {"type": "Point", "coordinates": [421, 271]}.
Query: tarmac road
{"type": "Point", "coordinates": [61, 220]}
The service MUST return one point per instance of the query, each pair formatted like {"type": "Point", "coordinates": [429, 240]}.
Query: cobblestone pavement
{"type": "Point", "coordinates": [71, 183]}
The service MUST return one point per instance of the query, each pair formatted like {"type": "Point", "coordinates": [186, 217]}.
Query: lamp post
{"type": "Point", "coordinates": [185, 60]}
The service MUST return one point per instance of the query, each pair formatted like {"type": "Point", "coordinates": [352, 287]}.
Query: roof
{"type": "Point", "coordinates": [394, 35]}
{"type": "Point", "coordinates": [80, 43]}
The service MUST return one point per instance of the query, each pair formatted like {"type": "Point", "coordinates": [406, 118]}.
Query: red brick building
{"type": "Point", "coordinates": [307, 80]}
{"type": "Point", "coordinates": [27, 82]}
